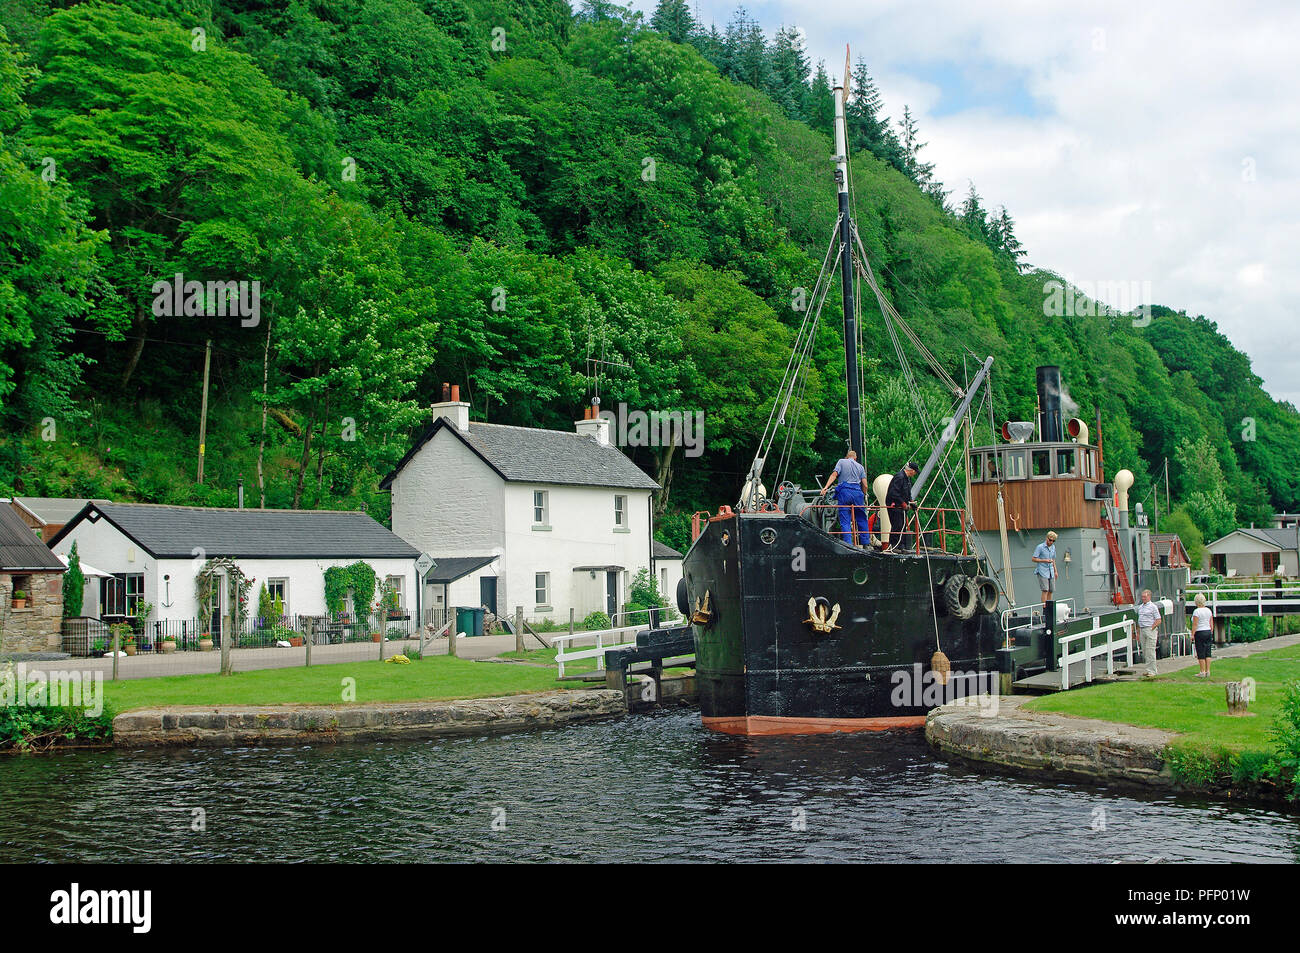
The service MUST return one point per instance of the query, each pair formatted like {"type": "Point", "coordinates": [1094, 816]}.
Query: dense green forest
{"type": "Point", "coordinates": [528, 202]}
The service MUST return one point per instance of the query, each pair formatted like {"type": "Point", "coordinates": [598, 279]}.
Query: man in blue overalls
{"type": "Point", "coordinates": [850, 494]}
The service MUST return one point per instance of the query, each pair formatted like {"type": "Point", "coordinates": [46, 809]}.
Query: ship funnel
{"type": "Point", "coordinates": [1049, 403]}
{"type": "Point", "coordinates": [1123, 480]}
{"type": "Point", "coordinates": [1077, 429]}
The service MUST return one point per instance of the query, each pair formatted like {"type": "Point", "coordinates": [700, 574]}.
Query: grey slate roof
{"type": "Point", "coordinates": [528, 455]}
{"type": "Point", "coordinates": [21, 550]}
{"type": "Point", "coordinates": [660, 550]}
{"type": "Point", "coordinates": [174, 531]}
{"type": "Point", "coordinates": [451, 568]}
{"type": "Point", "coordinates": [1281, 538]}
{"type": "Point", "coordinates": [55, 509]}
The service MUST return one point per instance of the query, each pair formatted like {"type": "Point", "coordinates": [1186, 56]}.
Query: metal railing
{"type": "Point", "coordinates": [187, 635]}
{"type": "Point", "coordinates": [1235, 595]}
{"type": "Point", "coordinates": [916, 528]}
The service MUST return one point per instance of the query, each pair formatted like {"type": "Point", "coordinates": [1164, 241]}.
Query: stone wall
{"type": "Point", "coordinates": [307, 724]}
{"type": "Point", "coordinates": [36, 628]}
{"type": "Point", "coordinates": [1029, 742]}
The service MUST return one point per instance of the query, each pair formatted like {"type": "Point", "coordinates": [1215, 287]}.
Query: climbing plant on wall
{"type": "Point", "coordinates": [360, 579]}
{"type": "Point", "coordinates": [363, 588]}
{"type": "Point", "coordinates": [337, 581]}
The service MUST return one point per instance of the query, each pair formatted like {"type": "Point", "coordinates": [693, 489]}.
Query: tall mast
{"type": "Point", "coordinates": [846, 263]}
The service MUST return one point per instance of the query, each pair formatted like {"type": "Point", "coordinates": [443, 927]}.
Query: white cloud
{"type": "Point", "coordinates": [1167, 149]}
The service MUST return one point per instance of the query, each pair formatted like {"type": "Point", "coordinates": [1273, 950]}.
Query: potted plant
{"type": "Point", "coordinates": [376, 637]}
{"type": "Point", "coordinates": [168, 644]}
{"type": "Point", "coordinates": [99, 647]}
{"type": "Point", "coordinates": [205, 642]}
{"type": "Point", "coordinates": [122, 637]}
{"type": "Point", "coordinates": [20, 598]}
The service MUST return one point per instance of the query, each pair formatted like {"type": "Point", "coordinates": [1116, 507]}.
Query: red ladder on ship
{"type": "Point", "coordinates": [1117, 559]}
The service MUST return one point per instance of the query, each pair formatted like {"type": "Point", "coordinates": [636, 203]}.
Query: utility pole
{"type": "Point", "coordinates": [203, 411]}
{"type": "Point", "coordinates": [1168, 505]}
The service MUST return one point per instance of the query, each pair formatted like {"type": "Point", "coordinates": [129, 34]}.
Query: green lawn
{"type": "Point", "coordinates": [430, 678]}
{"type": "Point", "coordinates": [1193, 707]}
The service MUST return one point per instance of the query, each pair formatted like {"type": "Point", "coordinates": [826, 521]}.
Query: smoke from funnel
{"type": "Point", "coordinates": [1068, 407]}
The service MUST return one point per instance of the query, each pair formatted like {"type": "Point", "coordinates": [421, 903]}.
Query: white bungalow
{"type": "Point", "coordinates": [152, 553]}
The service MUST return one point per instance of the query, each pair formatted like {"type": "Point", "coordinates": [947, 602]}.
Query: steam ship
{"type": "Point", "coordinates": [799, 629]}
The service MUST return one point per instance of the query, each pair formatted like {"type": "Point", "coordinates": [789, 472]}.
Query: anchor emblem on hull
{"type": "Point", "coordinates": [703, 615]}
{"type": "Point", "coordinates": [821, 615]}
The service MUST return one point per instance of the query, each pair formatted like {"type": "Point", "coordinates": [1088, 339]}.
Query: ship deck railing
{"type": "Point", "coordinates": [923, 522]}
{"type": "Point", "coordinates": [1093, 650]}
{"type": "Point", "coordinates": [1035, 615]}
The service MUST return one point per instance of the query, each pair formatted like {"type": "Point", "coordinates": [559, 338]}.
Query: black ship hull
{"type": "Point", "coordinates": [797, 632]}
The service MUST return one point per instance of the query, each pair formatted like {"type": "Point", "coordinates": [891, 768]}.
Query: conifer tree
{"type": "Point", "coordinates": [673, 19]}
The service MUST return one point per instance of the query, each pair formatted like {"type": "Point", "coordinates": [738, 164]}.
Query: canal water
{"type": "Point", "coordinates": [648, 788]}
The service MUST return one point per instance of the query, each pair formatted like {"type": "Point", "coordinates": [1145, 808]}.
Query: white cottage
{"type": "Point", "coordinates": [515, 516]}
{"type": "Point", "coordinates": [154, 552]}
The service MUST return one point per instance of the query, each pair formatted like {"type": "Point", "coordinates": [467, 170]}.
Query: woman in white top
{"type": "Point", "coordinates": [1202, 635]}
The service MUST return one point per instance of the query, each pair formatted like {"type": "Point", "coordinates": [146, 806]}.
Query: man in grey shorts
{"type": "Point", "coordinates": [1045, 566]}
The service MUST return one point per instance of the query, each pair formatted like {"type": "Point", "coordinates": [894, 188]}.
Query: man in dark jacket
{"type": "Point", "coordinates": [898, 501]}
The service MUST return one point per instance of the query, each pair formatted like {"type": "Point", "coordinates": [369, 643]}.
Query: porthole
{"type": "Point", "coordinates": [768, 535]}
{"type": "Point", "coordinates": [860, 575]}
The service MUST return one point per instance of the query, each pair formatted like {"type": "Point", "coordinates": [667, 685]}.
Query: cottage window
{"type": "Point", "coordinates": [620, 512]}
{"type": "Point", "coordinates": [543, 588]}
{"type": "Point", "coordinates": [1270, 562]}
{"type": "Point", "coordinates": [279, 589]}
{"type": "Point", "coordinates": [396, 584]}
{"type": "Point", "coordinates": [539, 508]}
{"type": "Point", "coordinates": [121, 594]}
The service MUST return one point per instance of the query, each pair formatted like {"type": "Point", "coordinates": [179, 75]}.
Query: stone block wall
{"type": "Point", "coordinates": [38, 627]}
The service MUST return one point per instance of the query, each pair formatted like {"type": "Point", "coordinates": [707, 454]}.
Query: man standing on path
{"type": "Point", "coordinates": [850, 494]}
{"type": "Point", "coordinates": [897, 501]}
{"type": "Point", "coordinates": [1045, 565]}
{"type": "Point", "coordinates": [1149, 626]}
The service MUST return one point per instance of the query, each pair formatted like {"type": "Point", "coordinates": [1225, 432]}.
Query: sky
{"type": "Point", "coordinates": [1150, 149]}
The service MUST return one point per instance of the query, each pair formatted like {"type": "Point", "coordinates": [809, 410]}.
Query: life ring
{"type": "Point", "coordinates": [959, 596]}
{"type": "Point", "coordinates": [986, 594]}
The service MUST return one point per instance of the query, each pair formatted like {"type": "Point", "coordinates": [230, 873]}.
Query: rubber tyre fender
{"type": "Point", "coordinates": [986, 594]}
{"type": "Point", "coordinates": [683, 599]}
{"type": "Point", "coordinates": [959, 596]}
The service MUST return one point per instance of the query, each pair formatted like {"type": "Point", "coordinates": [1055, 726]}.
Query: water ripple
{"type": "Point", "coordinates": [651, 788]}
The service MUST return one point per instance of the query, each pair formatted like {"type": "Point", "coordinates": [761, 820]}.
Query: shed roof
{"type": "Point", "coordinates": [450, 568]}
{"type": "Point", "coordinates": [21, 550]}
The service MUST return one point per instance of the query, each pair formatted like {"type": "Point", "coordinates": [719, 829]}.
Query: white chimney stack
{"type": "Point", "coordinates": [452, 407]}
{"type": "Point", "coordinates": [593, 425]}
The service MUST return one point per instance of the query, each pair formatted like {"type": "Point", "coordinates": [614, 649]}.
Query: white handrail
{"type": "Point", "coordinates": [1035, 608]}
{"type": "Point", "coordinates": [1214, 595]}
{"type": "Point", "coordinates": [1091, 651]}
{"type": "Point", "coordinates": [605, 639]}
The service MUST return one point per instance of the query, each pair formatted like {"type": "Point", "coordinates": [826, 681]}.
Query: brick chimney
{"type": "Point", "coordinates": [452, 407]}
